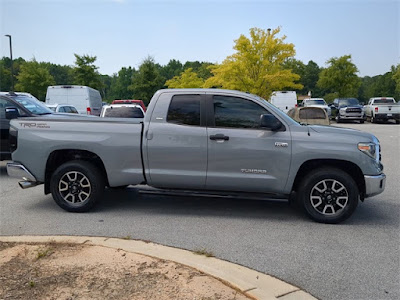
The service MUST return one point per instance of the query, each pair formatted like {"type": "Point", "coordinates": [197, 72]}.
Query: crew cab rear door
{"type": "Point", "coordinates": [241, 155]}
{"type": "Point", "coordinates": [176, 142]}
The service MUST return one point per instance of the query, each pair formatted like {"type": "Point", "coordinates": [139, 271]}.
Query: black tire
{"type": "Point", "coordinates": [77, 185]}
{"type": "Point", "coordinates": [337, 119]}
{"type": "Point", "coordinates": [397, 121]}
{"type": "Point", "coordinates": [361, 121]}
{"type": "Point", "coordinates": [328, 195]}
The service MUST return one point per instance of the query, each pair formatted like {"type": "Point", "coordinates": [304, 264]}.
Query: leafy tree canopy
{"type": "Point", "coordinates": [188, 79]}
{"type": "Point", "coordinates": [34, 78]}
{"type": "Point", "coordinates": [147, 80]}
{"type": "Point", "coordinates": [257, 65]}
{"type": "Point", "coordinates": [340, 77]}
{"type": "Point", "coordinates": [86, 73]}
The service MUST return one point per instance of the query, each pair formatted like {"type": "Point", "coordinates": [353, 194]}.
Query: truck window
{"type": "Point", "coordinates": [123, 112]}
{"type": "Point", "coordinates": [237, 112]}
{"type": "Point", "coordinates": [184, 110]}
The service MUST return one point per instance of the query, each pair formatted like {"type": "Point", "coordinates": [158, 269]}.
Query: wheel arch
{"type": "Point", "coordinates": [349, 167]}
{"type": "Point", "coordinates": [59, 157]}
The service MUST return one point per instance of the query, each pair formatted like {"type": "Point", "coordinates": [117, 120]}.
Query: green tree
{"type": "Point", "coordinates": [172, 69]}
{"type": "Point", "coordinates": [340, 77]}
{"type": "Point", "coordinates": [120, 83]}
{"type": "Point", "coordinates": [310, 78]}
{"type": "Point", "coordinates": [188, 79]}
{"type": "Point", "coordinates": [34, 78]}
{"type": "Point", "coordinates": [396, 78]}
{"type": "Point", "coordinates": [147, 80]}
{"type": "Point", "coordinates": [5, 72]}
{"type": "Point", "coordinates": [86, 73]}
{"type": "Point", "coordinates": [202, 69]}
{"type": "Point", "coordinates": [62, 74]}
{"type": "Point", "coordinates": [257, 65]}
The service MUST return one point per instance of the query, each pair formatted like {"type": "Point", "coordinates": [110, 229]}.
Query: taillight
{"type": "Point", "coordinates": [13, 138]}
{"type": "Point", "coordinates": [295, 105]}
{"type": "Point", "coordinates": [88, 111]}
{"type": "Point", "coordinates": [376, 109]}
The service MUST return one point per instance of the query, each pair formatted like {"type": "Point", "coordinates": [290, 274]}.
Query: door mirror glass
{"type": "Point", "coordinates": [270, 122]}
{"type": "Point", "coordinates": [11, 113]}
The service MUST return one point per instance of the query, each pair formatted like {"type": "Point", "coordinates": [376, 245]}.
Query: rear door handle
{"type": "Point", "coordinates": [219, 137]}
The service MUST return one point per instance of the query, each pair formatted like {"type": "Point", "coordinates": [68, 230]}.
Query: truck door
{"type": "Point", "coordinates": [176, 142]}
{"type": "Point", "coordinates": [241, 155]}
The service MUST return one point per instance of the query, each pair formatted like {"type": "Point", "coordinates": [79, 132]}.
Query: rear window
{"type": "Point", "coordinates": [123, 112]}
{"type": "Point", "coordinates": [315, 102]}
{"type": "Point", "coordinates": [383, 101]}
{"type": "Point", "coordinates": [311, 114]}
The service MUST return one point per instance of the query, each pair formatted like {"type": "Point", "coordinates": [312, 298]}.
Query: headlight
{"type": "Point", "coordinates": [370, 149]}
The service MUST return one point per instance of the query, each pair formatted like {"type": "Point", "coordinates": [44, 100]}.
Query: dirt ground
{"type": "Point", "coordinates": [71, 271]}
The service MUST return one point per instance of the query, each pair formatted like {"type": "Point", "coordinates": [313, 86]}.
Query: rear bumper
{"type": "Point", "coordinates": [374, 185]}
{"type": "Point", "coordinates": [19, 171]}
{"type": "Point", "coordinates": [387, 116]}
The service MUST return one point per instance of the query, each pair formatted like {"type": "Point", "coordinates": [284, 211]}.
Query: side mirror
{"type": "Point", "coordinates": [270, 122]}
{"type": "Point", "coordinates": [11, 113]}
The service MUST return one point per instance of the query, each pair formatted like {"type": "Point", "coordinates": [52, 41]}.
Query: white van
{"type": "Point", "coordinates": [85, 99]}
{"type": "Point", "coordinates": [284, 100]}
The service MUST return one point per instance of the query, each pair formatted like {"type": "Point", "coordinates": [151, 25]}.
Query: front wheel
{"type": "Point", "coordinates": [77, 185]}
{"type": "Point", "coordinates": [338, 120]}
{"type": "Point", "coordinates": [329, 195]}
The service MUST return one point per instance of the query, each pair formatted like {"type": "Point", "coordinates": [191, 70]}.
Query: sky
{"type": "Point", "coordinates": [122, 33]}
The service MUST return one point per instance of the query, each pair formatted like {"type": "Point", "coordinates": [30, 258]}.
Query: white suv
{"type": "Point", "coordinates": [317, 102]}
{"type": "Point", "coordinates": [63, 108]}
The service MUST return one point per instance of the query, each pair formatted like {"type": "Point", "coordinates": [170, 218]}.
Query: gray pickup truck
{"type": "Point", "coordinates": [210, 141]}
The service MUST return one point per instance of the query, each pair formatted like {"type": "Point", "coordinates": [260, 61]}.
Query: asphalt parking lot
{"type": "Point", "coordinates": [358, 259]}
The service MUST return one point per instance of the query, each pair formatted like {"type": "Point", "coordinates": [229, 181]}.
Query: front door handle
{"type": "Point", "coordinates": [219, 137]}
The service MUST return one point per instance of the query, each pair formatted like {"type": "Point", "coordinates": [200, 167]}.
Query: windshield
{"type": "Point", "coordinates": [315, 102]}
{"type": "Point", "coordinates": [34, 106]}
{"type": "Point", "coordinates": [347, 102]}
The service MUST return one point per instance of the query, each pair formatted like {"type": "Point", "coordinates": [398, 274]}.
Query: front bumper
{"type": "Point", "coordinates": [374, 185]}
{"type": "Point", "coordinates": [18, 170]}
{"type": "Point", "coordinates": [352, 116]}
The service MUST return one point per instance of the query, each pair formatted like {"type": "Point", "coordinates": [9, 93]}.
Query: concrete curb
{"type": "Point", "coordinates": [252, 283]}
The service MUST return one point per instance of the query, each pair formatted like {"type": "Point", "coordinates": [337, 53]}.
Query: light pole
{"type": "Point", "coordinates": [12, 70]}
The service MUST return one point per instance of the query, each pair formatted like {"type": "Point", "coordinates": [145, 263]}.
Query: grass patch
{"type": "Point", "coordinates": [41, 253]}
{"type": "Point", "coordinates": [203, 252]}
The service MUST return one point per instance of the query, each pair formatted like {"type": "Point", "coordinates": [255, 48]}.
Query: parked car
{"type": "Point", "coordinates": [140, 102]}
{"type": "Point", "coordinates": [207, 141]}
{"type": "Point", "coordinates": [309, 115]}
{"type": "Point", "coordinates": [346, 109]}
{"type": "Point", "coordinates": [382, 109]}
{"type": "Point", "coordinates": [63, 108]}
{"type": "Point", "coordinates": [122, 111]}
{"type": "Point", "coordinates": [316, 102]}
{"type": "Point", "coordinates": [284, 100]}
{"type": "Point", "coordinates": [86, 100]}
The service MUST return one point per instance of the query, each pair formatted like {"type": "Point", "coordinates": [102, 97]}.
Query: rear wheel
{"type": "Point", "coordinates": [77, 185]}
{"type": "Point", "coordinates": [329, 195]}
